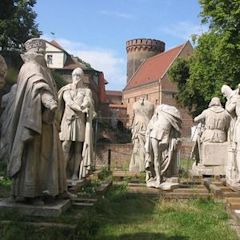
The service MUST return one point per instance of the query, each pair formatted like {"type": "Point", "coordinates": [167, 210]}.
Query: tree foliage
{"type": "Point", "coordinates": [17, 23]}
{"type": "Point", "coordinates": [216, 57]}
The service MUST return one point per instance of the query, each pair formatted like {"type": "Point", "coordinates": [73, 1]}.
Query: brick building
{"type": "Point", "coordinates": [148, 75]}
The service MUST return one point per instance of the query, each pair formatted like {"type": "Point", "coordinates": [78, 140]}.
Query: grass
{"type": "Point", "coordinates": [120, 216]}
{"type": "Point", "coordinates": [130, 217]}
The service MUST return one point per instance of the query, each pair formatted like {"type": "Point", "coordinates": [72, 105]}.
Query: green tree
{"type": "Point", "coordinates": [216, 57]}
{"type": "Point", "coordinates": [17, 23]}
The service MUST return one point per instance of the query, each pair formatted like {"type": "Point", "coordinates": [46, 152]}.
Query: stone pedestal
{"type": "Point", "coordinates": [213, 160]}
{"type": "Point", "coordinates": [53, 209]}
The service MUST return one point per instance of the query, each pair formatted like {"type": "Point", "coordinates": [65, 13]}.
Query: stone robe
{"type": "Point", "coordinates": [36, 162]}
{"type": "Point", "coordinates": [216, 120]}
{"type": "Point", "coordinates": [142, 115]}
{"type": "Point", "coordinates": [164, 127]}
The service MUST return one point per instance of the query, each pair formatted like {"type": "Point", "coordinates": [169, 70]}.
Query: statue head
{"type": "Point", "coordinates": [3, 71]}
{"type": "Point", "coordinates": [215, 102]}
{"type": "Point", "coordinates": [141, 99]}
{"type": "Point", "coordinates": [77, 75]}
{"type": "Point", "coordinates": [226, 91]}
{"type": "Point", "coordinates": [35, 45]}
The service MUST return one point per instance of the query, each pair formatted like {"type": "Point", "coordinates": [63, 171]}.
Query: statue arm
{"type": "Point", "coordinates": [69, 102]}
{"type": "Point", "coordinates": [200, 117]}
{"type": "Point", "coordinates": [48, 100]}
{"type": "Point", "coordinates": [231, 105]}
{"type": "Point", "coordinates": [87, 101]}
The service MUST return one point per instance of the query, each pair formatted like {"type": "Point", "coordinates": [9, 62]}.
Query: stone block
{"type": "Point", "coordinates": [214, 154]}
{"type": "Point", "coordinates": [53, 209]}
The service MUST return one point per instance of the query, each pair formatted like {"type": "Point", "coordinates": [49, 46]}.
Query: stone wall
{"type": "Point", "coordinates": [121, 154]}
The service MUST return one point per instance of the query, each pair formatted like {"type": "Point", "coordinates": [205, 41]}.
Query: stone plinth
{"type": "Point", "coordinates": [53, 209]}
{"type": "Point", "coordinates": [214, 154]}
{"type": "Point", "coordinates": [213, 160]}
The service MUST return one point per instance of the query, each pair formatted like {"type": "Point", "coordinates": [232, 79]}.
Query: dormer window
{"type": "Point", "coordinates": [49, 59]}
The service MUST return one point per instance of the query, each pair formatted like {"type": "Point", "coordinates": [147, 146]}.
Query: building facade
{"type": "Point", "coordinates": [151, 80]}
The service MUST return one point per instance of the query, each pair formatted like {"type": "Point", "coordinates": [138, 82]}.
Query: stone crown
{"type": "Point", "coordinates": [34, 43]}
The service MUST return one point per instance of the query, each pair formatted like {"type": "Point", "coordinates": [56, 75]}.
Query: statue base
{"type": "Point", "coordinates": [213, 160]}
{"type": "Point", "coordinates": [53, 209]}
{"type": "Point", "coordinates": [169, 184]}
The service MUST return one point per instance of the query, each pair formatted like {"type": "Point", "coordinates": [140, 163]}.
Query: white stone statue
{"type": "Point", "coordinates": [162, 139]}
{"type": "Point", "coordinates": [216, 122]}
{"type": "Point", "coordinates": [233, 163]}
{"type": "Point", "coordinates": [142, 113]}
{"type": "Point", "coordinates": [210, 148]}
{"type": "Point", "coordinates": [36, 162]}
{"type": "Point", "coordinates": [77, 112]}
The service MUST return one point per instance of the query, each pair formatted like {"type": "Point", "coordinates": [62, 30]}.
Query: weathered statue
{"type": "Point", "coordinates": [7, 106]}
{"type": "Point", "coordinates": [36, 162]}
{"type": "Point", "coordinates": [210, 148]}
{"type": "Point", "coordinates": [216, 122]}
{"type": "Point", "coordinates": [77, 112]}
{"type": "Point", "coordinates": [3, 71]}
{"type": "Point", "coordinates": [233, 107]}
{"type": "Point", "coordinates": [162, 135]}
{"type": "Point", "coordinates": [142, 113]}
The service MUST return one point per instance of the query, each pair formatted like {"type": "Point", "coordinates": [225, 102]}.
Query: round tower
{"type": "Point", "coordinates": [140, 49]}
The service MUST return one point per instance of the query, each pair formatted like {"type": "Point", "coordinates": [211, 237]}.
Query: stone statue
{"type": "Point", "coordinates": [210, 148]}
{"type": "Point", "coordinates": [36, 162]}
{"type": "Point", "coordinates": [142, 113]}
{"type": "Point", "coordinates": [162, 138]}
{"type": "Point", "coordinates": [216, 122]}
{"type": "Point", "coordinates": [3, 71]}
{"type": "Point", "coordinates": [7, 106]}
{"type": "Point", "coordinates": [77, 112]}
{"type": "Point", "coordinates": [233, 107]}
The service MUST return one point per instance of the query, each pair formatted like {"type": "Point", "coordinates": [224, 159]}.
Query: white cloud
{"type": "Point", "coordinates": [184, 30]}
{"type": "Point", "coordinates": [105, 60]}
{"type": "Point", "coordinates": [116, 14]}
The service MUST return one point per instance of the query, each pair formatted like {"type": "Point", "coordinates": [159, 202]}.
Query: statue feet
{"type": "Point", "coordinates": [75, 177]}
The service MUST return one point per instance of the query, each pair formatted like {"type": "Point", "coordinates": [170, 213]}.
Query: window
{"type": "Point", "coordinates": [49, 59]}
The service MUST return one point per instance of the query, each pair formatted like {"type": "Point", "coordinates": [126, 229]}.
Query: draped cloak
{"type": "Point", "coordinates": [36, 161]}
{"type": "Point", "coordinates": [165, 136]}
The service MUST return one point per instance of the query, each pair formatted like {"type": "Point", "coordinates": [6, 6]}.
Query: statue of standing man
{"type": "Point", "coordinates": [36, 164]}
{"type": "Point", "coordinates": [142, 113]}
{"type": "Point", "coordinates": [77, 112]}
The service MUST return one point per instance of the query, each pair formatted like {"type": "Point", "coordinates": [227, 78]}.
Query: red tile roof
{"type": "Point", "coordinates": [56, 44]}
{"type": "Point", "coordinates": [153, 68]}
{"type": "Point", "coordinates": [114, 93]}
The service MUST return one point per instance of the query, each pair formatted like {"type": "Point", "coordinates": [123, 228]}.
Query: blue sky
{"type": "Point", "coordinates": [97, 30]}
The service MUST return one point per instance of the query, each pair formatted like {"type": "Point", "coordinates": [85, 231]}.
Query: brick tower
{"type": "Point", "coordinates": [140, 49]}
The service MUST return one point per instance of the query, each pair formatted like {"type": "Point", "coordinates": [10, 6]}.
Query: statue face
{"type": "Point", "coordinates": [141, 100]}
{"type": "Point", "coordinates": [76, 78]}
